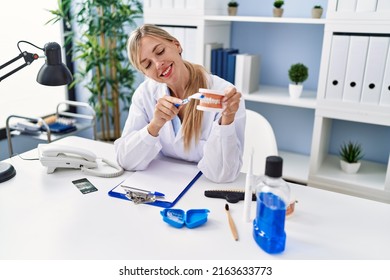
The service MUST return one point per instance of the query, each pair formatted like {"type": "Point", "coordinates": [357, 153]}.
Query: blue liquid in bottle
{"type": "Point", "coordinates": [268, 227]}
{"type": "Point", "coordinates": [272, 194]}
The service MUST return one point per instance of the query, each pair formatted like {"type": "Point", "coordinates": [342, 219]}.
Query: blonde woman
{"type": "Point", "coordinates": [156, 126]}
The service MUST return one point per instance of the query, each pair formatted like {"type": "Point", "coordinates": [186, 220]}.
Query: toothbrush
{"type": "Point", "coordinates": [231, 223]}
{"type": "Point", "coordinates": [194, 96]}
{"type": "Point", "coordinates": [248, 190]}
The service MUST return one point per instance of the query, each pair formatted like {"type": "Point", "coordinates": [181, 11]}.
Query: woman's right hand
{"type": "Point", "coordinates": [164, 111]}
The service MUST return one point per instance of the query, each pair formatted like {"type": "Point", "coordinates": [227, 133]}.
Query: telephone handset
{"type": "Point", "coordinates": [60, 156]}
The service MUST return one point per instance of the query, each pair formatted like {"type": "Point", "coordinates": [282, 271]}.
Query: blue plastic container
{"type": "Point", "coordinates": [178, 218]}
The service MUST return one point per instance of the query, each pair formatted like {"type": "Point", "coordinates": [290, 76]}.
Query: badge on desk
{"type": "Point", "coordinates": [84, 186]}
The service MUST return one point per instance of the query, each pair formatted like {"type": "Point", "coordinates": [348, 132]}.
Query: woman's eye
{"type": "Point", "coordinates": [147, 65]}
{"type": "Point", "coordinates": [161, 52]}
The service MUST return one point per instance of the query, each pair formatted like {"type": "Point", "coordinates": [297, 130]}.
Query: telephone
{"type": "Point", "coordinates": [59, 156]}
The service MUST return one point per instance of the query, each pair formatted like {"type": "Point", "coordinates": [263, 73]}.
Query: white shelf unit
{"type": "Point", "coordinates": [319, 169]}
{"type": "Point", "coordinates": [373, 179]}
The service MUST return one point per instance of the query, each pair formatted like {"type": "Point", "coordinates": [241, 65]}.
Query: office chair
{"type": "Point", "coordinates": [259, 137]}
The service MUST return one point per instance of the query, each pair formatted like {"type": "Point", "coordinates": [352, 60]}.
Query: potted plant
{"type": "Point", "coordinates": [298, 73]}
{"type": "Point", "coordinates": [316, 12]}
{"type": "Point", "coordinates": [96, 34]}
{"type": "Point", "coordinates": [232, 8]}
{"type": "Point", "coordinates": [350, 155]}
{"type": "Point", "coordinates": [278, 10]}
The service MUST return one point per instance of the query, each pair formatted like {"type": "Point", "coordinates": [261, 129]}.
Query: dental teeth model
{"type": "Point", "coordinates": [212, 100]}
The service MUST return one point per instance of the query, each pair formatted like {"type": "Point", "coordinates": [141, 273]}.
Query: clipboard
{"type": "Point", "coordinates": [169, 176]}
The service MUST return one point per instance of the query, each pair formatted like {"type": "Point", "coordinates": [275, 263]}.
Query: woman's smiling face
{"type": "Point", "coordinates": [160, 59]}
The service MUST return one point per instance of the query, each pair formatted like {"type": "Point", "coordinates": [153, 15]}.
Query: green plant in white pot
{"type": "Point", "coordinates": [316, 12]}
{"type": "Point", "coordinates": [232, 8]}
{"type": "Point", "coordinates": [350, 155]}
{"type": "Point", "coordinates": [278, 10]}
{"type": "Point", "coordinates": [298, 73]}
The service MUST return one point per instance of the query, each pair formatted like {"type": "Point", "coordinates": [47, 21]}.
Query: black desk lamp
{"type": "Point", "coordinates": [52, 73]}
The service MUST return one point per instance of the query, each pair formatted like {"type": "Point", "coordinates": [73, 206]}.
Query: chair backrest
{"type": "Point", "coordinates": [259, 138]}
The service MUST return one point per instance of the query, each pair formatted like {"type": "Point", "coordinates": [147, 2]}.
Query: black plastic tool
{"type": "Point", "coordinates": [232, 196]}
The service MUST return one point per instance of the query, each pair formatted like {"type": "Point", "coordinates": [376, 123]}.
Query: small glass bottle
{"type": "Point", "coordinates": [273, 196]}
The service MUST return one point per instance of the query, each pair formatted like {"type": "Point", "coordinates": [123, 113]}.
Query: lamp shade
{"type": "Point", "coordinates": [54, 72]}
{"type": "Point", "coordinates": [7, 171]}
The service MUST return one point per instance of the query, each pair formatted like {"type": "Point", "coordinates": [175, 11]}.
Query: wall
{"type": "Point", "coordinates": [20, 94]}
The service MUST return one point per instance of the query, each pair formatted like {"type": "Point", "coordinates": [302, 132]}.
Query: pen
{"type": "Point", "coordinates": [231, 223]}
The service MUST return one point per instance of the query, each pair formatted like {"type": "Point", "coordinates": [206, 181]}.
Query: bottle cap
{"type": "Point", "coordinates": [274, 166]}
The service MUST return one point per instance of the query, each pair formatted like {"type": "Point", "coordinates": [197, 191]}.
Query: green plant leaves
{"type": "Point", "coordinates": [351, 152]}
{"type": "Point", "coordinates": [97, 40]}
{"type": "Point", "coordinates": [298, 73]}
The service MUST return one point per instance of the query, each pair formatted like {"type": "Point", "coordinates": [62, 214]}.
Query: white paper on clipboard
{"type": "Point", "coordinates": [165, 175]}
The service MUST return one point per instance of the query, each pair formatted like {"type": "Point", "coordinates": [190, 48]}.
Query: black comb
{"type": "Point", "coordinates": [232, 196]}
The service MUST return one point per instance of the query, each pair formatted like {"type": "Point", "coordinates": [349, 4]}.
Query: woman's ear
{"type": "Point", "coordinates": [178, 46]}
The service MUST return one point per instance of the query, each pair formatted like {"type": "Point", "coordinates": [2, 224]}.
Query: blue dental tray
{"type": "Point", "coordinates": [178, 218]}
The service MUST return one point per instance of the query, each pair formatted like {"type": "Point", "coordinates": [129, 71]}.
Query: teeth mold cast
{"type": "Point", "coordinates": [212, 100]}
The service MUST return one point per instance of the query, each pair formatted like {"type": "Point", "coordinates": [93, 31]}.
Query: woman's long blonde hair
{"type": "Point", "coordinates": [192, 120]}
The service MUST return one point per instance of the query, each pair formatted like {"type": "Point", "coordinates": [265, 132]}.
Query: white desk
{"type": "Point", "coordinates": [44, 216]}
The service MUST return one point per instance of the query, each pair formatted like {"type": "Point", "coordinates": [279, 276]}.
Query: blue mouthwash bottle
{"type": "Point", "coordinates": [273, 196]}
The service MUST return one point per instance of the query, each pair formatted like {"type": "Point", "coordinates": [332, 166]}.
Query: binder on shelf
{"type": "Point", "coordinates": [187, 38]}
{"type": "Point", "coordinates": [376, 62]}
{"type": "Point", "coordinates": [214, 60]}
{"type": "Point", "coordinates": [155, 4]}
{"type": "Point", "coordinates": [365, 5]}
{"type": "Point", "coordinates": [239, 72]}
{"type": "Point", "coordinates": [190, 43]}
{"type": "Point", "coordinates": [207, 54]}
{"type": "Point", "coordinates": [219, 62]}
{"type": "Point", "coordinates": [385, 92]}
{"type": "Point", "coordinates": [179, 34]}
{"type": "Point", "coordinates": [167, 176]}
{"type": "Point", "coordinates": [224, 66]}
{"type": "Point", "coordinates": [356, 63]}
{"type": "Point", "coordinates": [346, 5]}
{"type": "Point", "coordinates": [337, 67]}
{"type": "Point", "coordinates": [231, 68]}
{"type": "Point", "coordinates": [179, 4]}
{"type": "Point", "coordinates": [387, 179]}
{"type": "Point", "coordinates": [192, 5]}
{"type": "Point", "coordinates": [247, 75]}
{"type": "Point", "coordinates": [383, 6]}
{"type": "Point", "coordinates": [170, 30]}
{"type": "Point", "coordinates": [167, 4]}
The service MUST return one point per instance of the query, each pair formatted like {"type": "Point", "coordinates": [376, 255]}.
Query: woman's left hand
{"type": "Point", "coordinates": [230, 103]}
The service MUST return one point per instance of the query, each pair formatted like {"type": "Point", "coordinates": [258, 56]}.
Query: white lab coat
{"type": "Point", "coordinates": [218, 154]}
